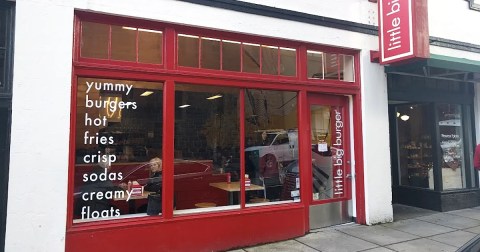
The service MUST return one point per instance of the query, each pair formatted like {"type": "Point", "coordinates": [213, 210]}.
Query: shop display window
{"type": "Point", "coordinates": [207, 148]}
{"type": "Point", "coordinates": [451, 145]}
{"type": "Point", "coordinates": [232, 143]}
{"type": "Point", "coordinates": [122, 43]}
{"type": "Point", "coordinates": [271, 147]}
{"type": "Point", "coordinates": [416, 139]}
{"type": "Point", "coordinates": [118, 149]}
{"type": "Point", "coordinates": [414, 122]}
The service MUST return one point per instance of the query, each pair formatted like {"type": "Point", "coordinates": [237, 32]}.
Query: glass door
{"type": "Point", "coordinates": [331, 178]}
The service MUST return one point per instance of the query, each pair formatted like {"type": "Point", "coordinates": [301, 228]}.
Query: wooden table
{"type": "Point", "coordinates": [235, 187]}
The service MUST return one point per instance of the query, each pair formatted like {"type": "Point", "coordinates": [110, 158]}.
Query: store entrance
{"type": "Point", "coordinates": [330, 199]}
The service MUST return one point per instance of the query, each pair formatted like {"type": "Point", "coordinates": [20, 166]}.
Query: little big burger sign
{"type": "Point", "coordinates": [403, 30]}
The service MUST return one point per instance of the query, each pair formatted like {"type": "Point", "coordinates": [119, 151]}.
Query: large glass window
{"type": "Point", "coordinates": [207, 148]}
{"type": "Point", "coordinates": [414, 124]}
{"type": "Point", "coordinates": [271, 147]}
{"type": "Point", "coordinates": [452, 146]}
{"type": "Point", "coordinates": [118, 149]}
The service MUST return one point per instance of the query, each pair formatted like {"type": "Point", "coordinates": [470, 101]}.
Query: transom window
{"type": "Point", "coordinates": [123, 43]}
{"type": "Point", "coordinates": [219, 54]}
{"type": "Point", "coordinates": [330, 66]}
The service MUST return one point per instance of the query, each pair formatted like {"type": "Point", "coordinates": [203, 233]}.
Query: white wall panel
{"type": "Point", "coordinates": [453, 20]}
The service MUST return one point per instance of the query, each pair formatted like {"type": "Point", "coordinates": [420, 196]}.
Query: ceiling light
{"type": "Point", "coordinates": [147, 30]}
{"type": "Point", "coordinates": [147, 93]}
{"type": "Point", "coordinates": [129, 28]}
{"type": "Point", "coordinates": [214, 97]}
{"type": "Point", "coordinates": [398, 114]}
{"type": "Point", "coordinates": [184, 106]}
{"type": "Point", "coordinates": [411, 107]}
{"type": "Point", "coordinates": [404, 117]}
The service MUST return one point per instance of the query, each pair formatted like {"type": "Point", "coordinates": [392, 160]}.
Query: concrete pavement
{"type": "Point", "coordinates": [414, 229]}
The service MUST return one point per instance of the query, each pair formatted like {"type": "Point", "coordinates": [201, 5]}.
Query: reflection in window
{"type": "Point", "coordinates": [251, 58]}
{"type": "Point", "coordinates": [269, 60]}
{"type": "Point", "coordinates": [207, 147]}
{"type": "Point", "coordinates": [124, 43]}
{"type": "Point", "coordinates": [347, 72]}
{"type": "Point", "coordinates": [415, 145]}
{"type": "Point", "coordinates": [331, 66]}
{"type": "Point", "coordinates": [288, 61]}
{"type": "Point", "coordinates": [231, 55]}
{"type": "Point", "coordinates": [271, 146]}
{"type": "Point", "coordinates": [451, 144]}
{"type": "Point", "coordinates": [315, 64]}
{"type": "Point", "coordinates": [118, 147]}
{"type": "Point", "coordinates": [94, 40]}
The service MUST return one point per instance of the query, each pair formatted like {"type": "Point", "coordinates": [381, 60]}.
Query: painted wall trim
{"type": "Point", "coordinates": [454, 44]}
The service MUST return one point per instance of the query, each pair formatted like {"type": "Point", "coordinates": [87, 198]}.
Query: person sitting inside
{"type": "Point", "coordinates": [155, 168]}
{"type": "Point", "coordinates": [154, 185]}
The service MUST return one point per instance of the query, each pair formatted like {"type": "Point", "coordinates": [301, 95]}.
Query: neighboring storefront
{"type": "Point", "coordinates": [432, 134]}
{"type": "Point", "coordinates": [433, 114]}
{"type": "Point", "coordinates": [178, 126]}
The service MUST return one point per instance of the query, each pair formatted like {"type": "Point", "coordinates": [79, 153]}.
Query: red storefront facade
{"type": "Point", "coordinates": [179, 227]}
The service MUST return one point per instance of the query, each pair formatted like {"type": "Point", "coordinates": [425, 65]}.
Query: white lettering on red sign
{"type": "Point", "coordinates": [338, 153]}
{"type": "Point", "coordinates": [395, 30]}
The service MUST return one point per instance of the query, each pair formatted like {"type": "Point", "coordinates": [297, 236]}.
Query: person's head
{"type": "Point", "coordinates": [155, 165]}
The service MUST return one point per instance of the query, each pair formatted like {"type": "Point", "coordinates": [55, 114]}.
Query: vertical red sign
{"type": "Point", "coordinates": [395, 30]}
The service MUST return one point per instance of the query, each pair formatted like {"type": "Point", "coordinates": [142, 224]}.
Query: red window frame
{"type": "Point", "coordinates": [169, 73]}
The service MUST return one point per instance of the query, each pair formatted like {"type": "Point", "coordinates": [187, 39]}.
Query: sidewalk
{"type": "Point", "coordinates": [414, 229]}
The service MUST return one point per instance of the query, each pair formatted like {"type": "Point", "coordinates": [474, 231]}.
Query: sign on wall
{"type": "Point", "coordinates": [403, 30]}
